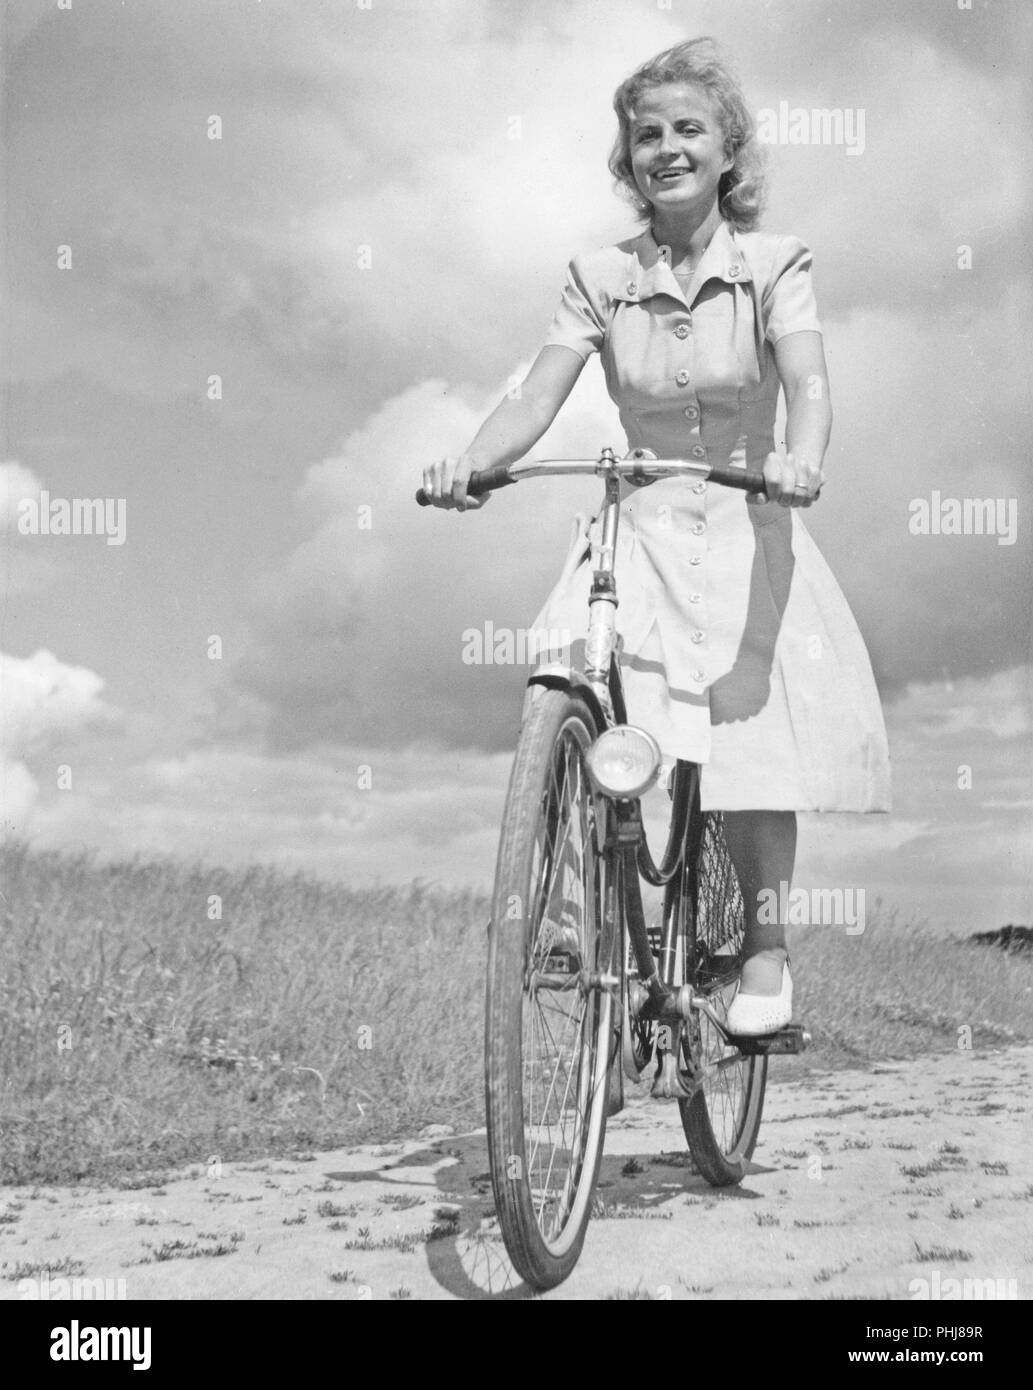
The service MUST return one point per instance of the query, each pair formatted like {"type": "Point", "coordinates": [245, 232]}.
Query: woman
{"type": "Point", "coordinates": [740, 652]}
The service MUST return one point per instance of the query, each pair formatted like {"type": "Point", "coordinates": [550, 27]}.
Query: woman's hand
{"type": "Point", "coordinates": [445, 484]}
{"type": "Point", "coordinates": [784, 475]}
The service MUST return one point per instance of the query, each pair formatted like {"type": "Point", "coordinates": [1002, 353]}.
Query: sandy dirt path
{"type": "Point", "coordinates": [863, 1182]}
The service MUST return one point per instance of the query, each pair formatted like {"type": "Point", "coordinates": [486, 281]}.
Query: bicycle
{"type": "Point", "coordinates": [580, 992]}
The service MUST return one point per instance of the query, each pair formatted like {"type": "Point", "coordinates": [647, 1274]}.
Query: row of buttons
{"type": "Point", "coordinates": [691, 412]}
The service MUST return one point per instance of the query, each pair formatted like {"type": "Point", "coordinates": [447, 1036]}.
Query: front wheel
{"type": "Point", "coordinates": [553, 972]}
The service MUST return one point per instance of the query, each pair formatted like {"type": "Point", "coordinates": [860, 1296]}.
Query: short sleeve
{"type": "Point", "coordinates": [788, 302]}
{"type": "Point", "coordinates": [577, 322]}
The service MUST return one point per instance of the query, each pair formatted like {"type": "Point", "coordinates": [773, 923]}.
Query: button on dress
{"type": "Point", "coordinates": [739, 650]}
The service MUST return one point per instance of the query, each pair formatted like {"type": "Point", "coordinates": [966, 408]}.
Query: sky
{"type": "Point", "coordinates": [269, 667]}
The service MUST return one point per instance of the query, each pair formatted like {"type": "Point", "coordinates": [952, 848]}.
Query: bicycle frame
{"type": "Point", "coordinates": [622, 827]}
{"type": "Point", "coordinates": [660, 998]}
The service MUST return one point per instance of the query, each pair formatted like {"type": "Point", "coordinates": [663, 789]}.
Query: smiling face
{"type": "Point", "coordinates": [677, 147]}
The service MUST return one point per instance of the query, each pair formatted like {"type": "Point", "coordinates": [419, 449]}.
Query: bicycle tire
{"type": "Point", "coordinates": [722, 1118]}
{"type": "Point", "coordinates": [618, 1021]}
{"type": "Point", "coordinates": [544, 1156]}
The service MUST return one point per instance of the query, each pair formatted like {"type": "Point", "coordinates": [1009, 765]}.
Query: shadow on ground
{"type": "Point", "coordinates": [466, 1256]}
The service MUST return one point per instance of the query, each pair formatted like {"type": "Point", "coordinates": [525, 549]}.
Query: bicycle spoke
{"type": "Point", "coordinates": [563, 1074]}
{"type": "Point", "coordinates": [553, 848]}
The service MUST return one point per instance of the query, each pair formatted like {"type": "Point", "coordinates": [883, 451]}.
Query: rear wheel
{"type": "Point", "coordinates": [553, 972]}
{"type": "Point", "coordinates": [722, 1118]}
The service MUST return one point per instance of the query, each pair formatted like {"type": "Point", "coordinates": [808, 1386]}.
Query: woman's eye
{"type": "Point", "coordinates": [650, 133]}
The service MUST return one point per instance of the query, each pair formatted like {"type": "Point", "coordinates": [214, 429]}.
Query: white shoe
{"type": "Point", "coordinates": [753, 1015]}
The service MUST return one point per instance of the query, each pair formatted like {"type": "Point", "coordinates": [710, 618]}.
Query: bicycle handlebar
{"type": "Point", "coordinates": [636, 467]}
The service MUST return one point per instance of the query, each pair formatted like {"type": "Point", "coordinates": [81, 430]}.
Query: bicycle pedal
{"type": "Point", "coordinates": [793, 1038]}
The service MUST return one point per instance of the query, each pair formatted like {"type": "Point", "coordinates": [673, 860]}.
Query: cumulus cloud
{"type": "Point", "coordinates": [361, 634]}
{"type": "Point", "coordinates": [42, 702]}
{"type": "Point", "coordinates": [41, 696]}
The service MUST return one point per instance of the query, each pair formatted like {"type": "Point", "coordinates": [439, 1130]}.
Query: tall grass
{"type": "Point", "coordinates": [898, 988]}
{"type": "Point", "coordinates": [136, 1032]}
{"type": "Point", "coordinates": [139, 1030]}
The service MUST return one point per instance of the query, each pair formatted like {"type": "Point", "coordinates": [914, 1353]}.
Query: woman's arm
{"type": "Point", "coordinates": [800, 360]}
{"type": "Point", "coordinates": [514, 426]}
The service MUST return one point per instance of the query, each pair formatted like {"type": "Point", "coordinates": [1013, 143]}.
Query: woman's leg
{"type": "Point", "coordinates": [762, 845]}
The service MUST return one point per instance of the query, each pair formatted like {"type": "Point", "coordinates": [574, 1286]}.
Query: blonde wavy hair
{"type": "Point", "coordinates": [741, 191]}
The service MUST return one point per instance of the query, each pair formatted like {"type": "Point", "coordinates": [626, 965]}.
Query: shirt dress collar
{"type": "Point", "coordinates": [649, 273]}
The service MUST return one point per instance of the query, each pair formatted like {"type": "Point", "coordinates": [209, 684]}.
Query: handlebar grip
{"type": "Point", "coordinates": [745, 479]}
{"type": "Point", "coordinates": [484, 480]}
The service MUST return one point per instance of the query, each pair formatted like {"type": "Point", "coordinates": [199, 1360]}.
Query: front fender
{"type": "Point", "coordinates": [554, 676]}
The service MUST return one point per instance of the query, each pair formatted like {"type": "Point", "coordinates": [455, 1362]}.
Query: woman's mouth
{"type": "Point", "coordinates": [671, 175]}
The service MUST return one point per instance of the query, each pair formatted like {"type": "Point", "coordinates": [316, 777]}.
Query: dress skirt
{"type": "Point", "coordinates": [739, 650]}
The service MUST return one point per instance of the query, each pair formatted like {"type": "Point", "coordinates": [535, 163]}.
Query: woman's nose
{"type": "Point", "coordinates": [668, 142]}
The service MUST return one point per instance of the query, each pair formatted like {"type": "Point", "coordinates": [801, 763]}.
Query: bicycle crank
{"type": "Point", "coordinates": [669, 1082]}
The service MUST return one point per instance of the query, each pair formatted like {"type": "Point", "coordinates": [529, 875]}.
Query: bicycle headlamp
{"type": "Point", "coordinates": [624, 761]}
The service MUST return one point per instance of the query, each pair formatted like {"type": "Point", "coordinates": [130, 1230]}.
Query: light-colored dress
{"type": "Point", "coordinates": [739, 650]}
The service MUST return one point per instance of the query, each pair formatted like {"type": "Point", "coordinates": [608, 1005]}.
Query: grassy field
{"type": "Point", "coordinates": [140, 1031]}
